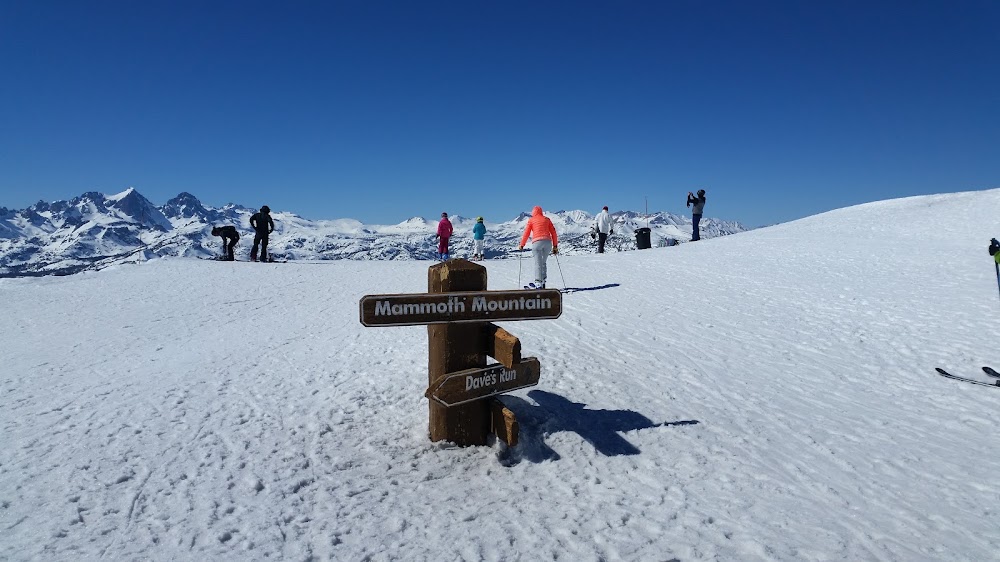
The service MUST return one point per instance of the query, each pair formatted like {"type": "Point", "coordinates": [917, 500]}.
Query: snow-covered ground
{"type": "Point", "coordinates": [769, 395]}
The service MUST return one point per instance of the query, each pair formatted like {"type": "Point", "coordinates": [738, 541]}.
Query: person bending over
{"type": "Point", "coordinates": [230, 236]}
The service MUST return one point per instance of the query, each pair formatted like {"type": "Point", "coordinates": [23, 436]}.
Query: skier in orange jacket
{"type": "Point", "coordinates": [544, 241]}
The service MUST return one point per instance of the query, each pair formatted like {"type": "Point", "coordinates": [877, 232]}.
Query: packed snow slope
{"type": "Point", "coordinates": [769, 395]}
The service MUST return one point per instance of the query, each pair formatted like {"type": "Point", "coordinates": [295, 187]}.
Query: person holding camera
{"type": "Point", "coordinates": [602, 227]}
{"type": "Point", "coordinates": [696, 211]}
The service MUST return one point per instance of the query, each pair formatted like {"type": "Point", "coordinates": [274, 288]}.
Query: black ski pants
{"type": "Point", "coordinates": [228, 246]}
{"type": "Point", "coordinates": [260, 239]}
{"type": "Point", "coordinates": [601, 239]}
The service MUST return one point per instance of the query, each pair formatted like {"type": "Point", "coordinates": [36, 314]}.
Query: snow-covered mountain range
{"type": "Point", "coordinates": [95, 230]}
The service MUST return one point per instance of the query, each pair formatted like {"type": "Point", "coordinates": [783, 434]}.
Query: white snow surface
{"type": "Point", "coordinates": [769, 395]}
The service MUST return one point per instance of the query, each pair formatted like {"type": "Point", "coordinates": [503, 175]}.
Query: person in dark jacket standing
{"type": "Point", "coordinates": [230, 236]}
{"type": "Point", "coordinates": [263, 226]}
{"type": "Point", "coordinates": [696, 211]}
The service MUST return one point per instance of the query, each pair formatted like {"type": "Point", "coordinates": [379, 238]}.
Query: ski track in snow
{"type": "Point", "coordinates": [765, 396]}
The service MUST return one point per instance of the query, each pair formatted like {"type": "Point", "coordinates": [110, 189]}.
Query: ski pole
{"type": "Point", "coordinates": [997, 266]}
{"type": "Point", "coordinates": [560, 271]}
{"type": "Point", "coordinates": [994, 248]}
{"type": "Point", "coordinates": [519, 252]}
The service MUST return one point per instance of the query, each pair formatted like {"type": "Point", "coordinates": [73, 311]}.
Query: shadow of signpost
{"type": "Point", "coordinates": [578, 289]}
{"type": "Point", "coordinates": [553, 413]}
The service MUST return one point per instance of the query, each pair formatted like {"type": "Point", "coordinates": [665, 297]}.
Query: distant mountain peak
{"type": "Point", "coordinates": [187, 206]}
{"type": "Point", "coordinates": [91, 196]}
{"type": "Point", "coordinates": [132, 204]}
{"type": "Point", "coordinates": [185, 197]}
{"type": "Point", "coordinates": [119, 196]}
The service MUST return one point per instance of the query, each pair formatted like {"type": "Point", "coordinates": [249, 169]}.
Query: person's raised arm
{"type": "Point", "coordinates": [524, 237]}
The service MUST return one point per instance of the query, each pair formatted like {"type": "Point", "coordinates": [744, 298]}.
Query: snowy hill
{"type": "Point", "coordinates": [94, 231]}
{"type": "Point", "coordinates": [764, 396]}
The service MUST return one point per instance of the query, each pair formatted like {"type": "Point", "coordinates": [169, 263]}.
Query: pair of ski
{"type": "Point", "coordinates": [988, 370]}
{"type": "Point", "coordinates": [533, 287]}
{"type": "Point", "coordinates": [217, 258]}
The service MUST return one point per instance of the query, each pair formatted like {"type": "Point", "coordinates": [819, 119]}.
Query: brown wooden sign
{"type": "Point", "coordinates": [441, 308]}
{"type": "Point", "coordinates": [466, 386]}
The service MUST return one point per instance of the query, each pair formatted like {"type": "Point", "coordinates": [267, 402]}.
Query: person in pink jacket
{"type": "Point", "coordinates": [443, 234]}
{"type": "Point", "coordinates": [544, 241]}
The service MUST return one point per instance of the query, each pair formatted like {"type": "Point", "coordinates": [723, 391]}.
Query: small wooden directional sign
{"type": "Point", "coordinates": [441, 308]}
{"type": "Point", "coordinates": [466, 386]}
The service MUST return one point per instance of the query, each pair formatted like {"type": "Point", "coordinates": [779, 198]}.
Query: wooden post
{"type": "Point", "coordinates": [455, 347]}
{"type": "Point", "coordinates": [459, 313]}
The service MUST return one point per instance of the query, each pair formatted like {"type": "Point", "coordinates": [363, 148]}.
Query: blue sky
{"type": "Point", "coordinates": [382, 111]}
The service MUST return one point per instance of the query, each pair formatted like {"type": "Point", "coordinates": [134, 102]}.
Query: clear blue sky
{"type": "Point", "coordinates": [382, 110]}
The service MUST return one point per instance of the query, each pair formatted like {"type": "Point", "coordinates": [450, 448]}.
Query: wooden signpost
{"type": "Point", "coordinates": [459, 312]}
{"type": "Point", "coordinates": [475, 384]}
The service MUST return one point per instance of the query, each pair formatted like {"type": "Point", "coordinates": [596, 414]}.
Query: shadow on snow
{"type": "Point", "coordinates": [553, 413]}
{"type": "Point", "coordinates": [578, 289]}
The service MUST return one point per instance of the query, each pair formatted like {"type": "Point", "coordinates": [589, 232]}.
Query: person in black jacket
{"type": "Point", "coordinates": [696, 211]}
{"type": "Point", "coordinates": [263, 226]}
{"type": "Point", "coordinates": [230, 236]}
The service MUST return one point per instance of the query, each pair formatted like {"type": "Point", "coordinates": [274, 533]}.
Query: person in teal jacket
{"type": "Point", "coordinates": [478, 239]}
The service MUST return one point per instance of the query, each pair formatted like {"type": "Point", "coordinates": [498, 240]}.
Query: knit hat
{"type": "Point", "coordinates": [445, 215]}
{"type": "Point", "coordinates": [605, 207]}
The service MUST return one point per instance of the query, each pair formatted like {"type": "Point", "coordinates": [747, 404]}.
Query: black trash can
{"type": "Point", "coordinates": [642, 238]}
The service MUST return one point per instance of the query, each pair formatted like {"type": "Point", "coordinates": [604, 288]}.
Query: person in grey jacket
{"type": "Point", "coordinates": [696, 211]}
